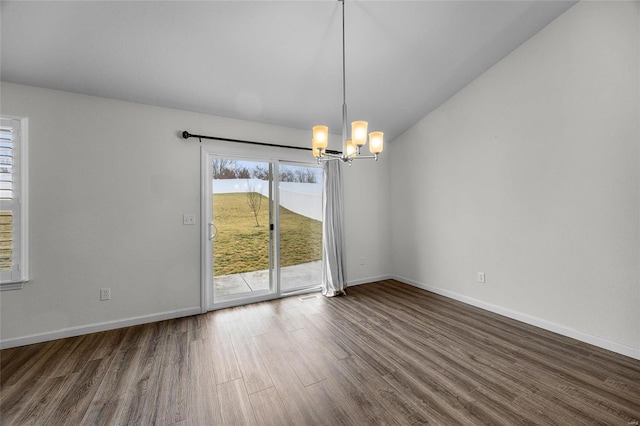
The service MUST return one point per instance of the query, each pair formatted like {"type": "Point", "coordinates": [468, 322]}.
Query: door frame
{"type": "Point", "coordinates": [208, 151]}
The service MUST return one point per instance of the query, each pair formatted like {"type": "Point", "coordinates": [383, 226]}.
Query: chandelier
{"type": "Point", "coordinates": [350, 147]}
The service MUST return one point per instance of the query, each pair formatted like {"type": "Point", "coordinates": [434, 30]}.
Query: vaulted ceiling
{"type": "Point", "coordinates": [276, 62]}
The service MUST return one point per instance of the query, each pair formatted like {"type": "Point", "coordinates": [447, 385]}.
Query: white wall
{"type": "Point", "coordinates": [109, 183]}
{"type": "Point", "coordinates": [367, 210]}
{"type": "Point", "coordinates": [531, 175]}
{"type": "Point", "coordinates": [302, 198]}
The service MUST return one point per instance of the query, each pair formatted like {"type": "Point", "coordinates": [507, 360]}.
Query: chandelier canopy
{"type": "Point", "coordinates": [350, 147]}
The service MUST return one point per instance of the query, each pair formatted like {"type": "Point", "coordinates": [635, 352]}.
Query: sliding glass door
{"type": "Point", "coordinates": [252, 250]}
{"type": "Point", "coordinates": [240, 230]}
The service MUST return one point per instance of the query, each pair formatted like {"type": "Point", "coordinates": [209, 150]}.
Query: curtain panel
{"type": "Point", "coordinates": [333, 251]}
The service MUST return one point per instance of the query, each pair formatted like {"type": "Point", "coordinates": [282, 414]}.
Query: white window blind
{"type": "Point", "coordinates": [12, 204]}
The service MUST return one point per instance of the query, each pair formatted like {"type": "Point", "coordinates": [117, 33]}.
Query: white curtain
{"type": "Point", "coordinates": [333, 253]}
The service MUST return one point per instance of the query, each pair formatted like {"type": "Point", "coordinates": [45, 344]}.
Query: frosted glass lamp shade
{"type": "Point", "coordinates": [376, 142]}
{"type": "Point", "coordinates": [320, 140]}
{"type": "Point", "coordinates": [351, 149]}
{"type": "Point", "coordinates": [359, 132]}
{"type": "Point", "coordinates": [317, 151]}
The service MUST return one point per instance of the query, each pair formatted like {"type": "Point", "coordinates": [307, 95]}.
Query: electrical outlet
{"type": "Point", "coordinates": [362, 260]}
{"type": "Point", "coordinates": [189, 219]}
{"type": "Point", "coordinates": [105, 294]}
{"type": "Point", "coordinates": [481, 278]}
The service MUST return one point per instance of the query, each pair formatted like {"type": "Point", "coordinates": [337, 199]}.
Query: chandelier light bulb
{"type": "Point", "coordinates": [320, 140]}
{"type": "Point", "coordinates": [376, 142]}
{"type": "Point", "coordinates": [321, 136]}
{"type": "Point", "coordinates": [351, 149]}
{"type": "Point", "coordinates": [359, 132]}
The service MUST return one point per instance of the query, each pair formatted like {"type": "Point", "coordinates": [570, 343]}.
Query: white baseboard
{"type": "Point", "coordinates": [369, 280]}
{"type": "Point", "coordinates": [110, 325]}
{"type": "Point", "coordinates": [93, 328]}
{"type": "Point", "coordinates": [528, 319]}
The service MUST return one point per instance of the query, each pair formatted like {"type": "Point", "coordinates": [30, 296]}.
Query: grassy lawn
{"type": "Point", "coordinates": [240, 246]}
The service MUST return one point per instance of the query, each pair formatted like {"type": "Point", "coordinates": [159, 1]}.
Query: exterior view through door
{"type": "Point", "coordinates": [259, 251]}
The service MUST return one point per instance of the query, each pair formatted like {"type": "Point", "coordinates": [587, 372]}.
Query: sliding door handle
{"type": "Point", "coordinates": [213, 230]}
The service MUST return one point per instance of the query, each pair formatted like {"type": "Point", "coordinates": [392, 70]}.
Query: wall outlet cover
{"type": "Point", "coordinates": [105, 294]}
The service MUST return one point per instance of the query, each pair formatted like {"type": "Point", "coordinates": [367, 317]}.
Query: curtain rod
{"type": "Point", "coordinates": [187, 135]}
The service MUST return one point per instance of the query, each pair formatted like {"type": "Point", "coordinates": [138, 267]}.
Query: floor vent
{"type": "Point", "coordinates": [308, 297]}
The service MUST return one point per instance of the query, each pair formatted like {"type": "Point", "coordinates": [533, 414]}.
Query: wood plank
{"type": "Point", "coordinates": [325, 397]}
{"type": "Point", "coordinates": [253, 370]}
{"type": "Point", "coordinates": [117, 382]}
{"type": "Point", "coordinates": [139, 396]}
{"type": "Point", "coordinates": [387, 353]}
{"type": "Point", "coordinates": [298, 406]}
{"type": "Point", "coordinates": [72, 407]}
{"type": "Point", "coordinates": [13, 358]}
{"type": "Point", "coordinates": [325, 337]}
{"type": "Point", "coordinates": [235, 405]}
{"type": "Point", "coordinates": [39, 407]}
{"type": "Point", "coordinates": [172, 390]}
{"type": "Point", "coordinates": [204, 408]}
{"type": "Point", "coordinates": [269, 408]}
{"type": "Point", "coordinates": [226, 366]}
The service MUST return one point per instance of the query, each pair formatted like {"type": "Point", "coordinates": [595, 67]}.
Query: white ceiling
{"type": "Point", "coordinates": [276, 62]}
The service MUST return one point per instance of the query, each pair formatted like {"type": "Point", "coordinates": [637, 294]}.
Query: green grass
{"type": "Point", "coordinates": [240, 246]}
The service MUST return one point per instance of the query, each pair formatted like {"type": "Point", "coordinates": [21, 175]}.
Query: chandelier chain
{"type": "Point", "coordinates": [344, 84]}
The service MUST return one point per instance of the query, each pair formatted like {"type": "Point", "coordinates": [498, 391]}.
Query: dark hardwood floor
{"type": "Point", "coordinates": [387, 353]}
